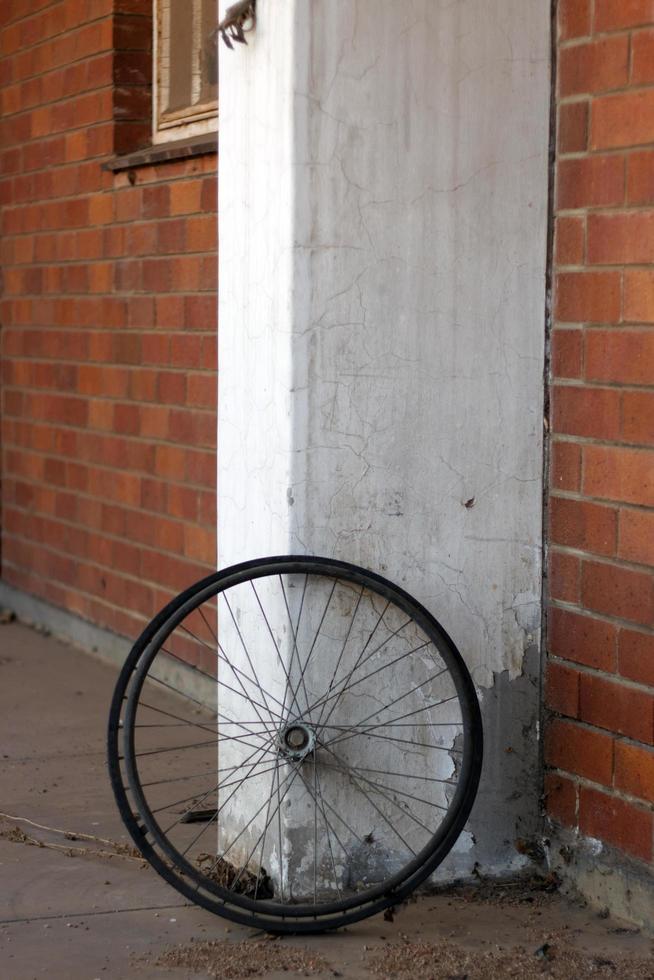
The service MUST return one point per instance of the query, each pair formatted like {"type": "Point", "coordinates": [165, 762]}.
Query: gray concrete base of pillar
{"type": "Point", "coordinates": [605, 878]}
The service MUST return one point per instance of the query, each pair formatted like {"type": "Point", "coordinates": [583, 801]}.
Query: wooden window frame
{"type": "Point", "coordinates": [182, 123]}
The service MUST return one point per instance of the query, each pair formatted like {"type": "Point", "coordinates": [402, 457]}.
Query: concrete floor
{"type": "Point", "coordinates": [91, 913]}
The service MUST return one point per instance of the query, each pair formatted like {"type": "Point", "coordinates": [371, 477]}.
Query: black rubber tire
{"type": "Point", "coordinates": [263, 914]}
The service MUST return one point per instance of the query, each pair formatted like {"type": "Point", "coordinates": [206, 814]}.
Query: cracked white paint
{"type": "Point", "coordinates": [383, 201]}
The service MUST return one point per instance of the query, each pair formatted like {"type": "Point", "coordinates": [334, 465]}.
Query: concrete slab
{"type": "Point", "coordinates": [87, 915]}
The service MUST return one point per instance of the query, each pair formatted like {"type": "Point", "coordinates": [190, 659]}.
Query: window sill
{"type": "Point", "coordinates": [194, 146]}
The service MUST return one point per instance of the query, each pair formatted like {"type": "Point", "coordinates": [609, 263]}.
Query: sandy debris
{"type": "Point", "coordinates": [447, 961]}
{"type": "Point", "coordinates": [238, 960]}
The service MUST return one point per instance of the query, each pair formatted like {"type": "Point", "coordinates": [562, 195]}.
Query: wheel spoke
{"type": "Point", "coordinates": [409, 714]}
{"type": "Point", "coordinates": [392, 789]}
{"type": "Point", "coordinates": [249, 659]}
{"type": "Point", "coordinates": [314, 766]}
{"type": "Point", "coordinates": [219, 810]}
{"type": "Point", "coordinates": [197, 775]}
{"type": "Point", "coordinates": [295, 650]}
{"type": "Point", "coordinates": [340, 656]}
{"type": "Point", "coordinates": [263, 842]}
{"type": "Point", "coordinates": [272, 637]}
{"type": "Point", "coordinates": [290, 776]}
{"type": "Point", "coordinates": [348, 686]}
{"type": "Point", "coordinates": [240, 694]}
{"type": "Point", "coordinates": [315, 640]}
{"type": "Point", "coordinates": [353, 779]}
{"type": "Point", "coordinates": [329, 839]}
{"type": "Point", "coordinates": [218, 786]}
{"type": "Point", "coordinates": [237, 672]}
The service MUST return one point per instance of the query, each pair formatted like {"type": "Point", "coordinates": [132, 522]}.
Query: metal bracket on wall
{"type": "Point", "coordinates": [239, 19]}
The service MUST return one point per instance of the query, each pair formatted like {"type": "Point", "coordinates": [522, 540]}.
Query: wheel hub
{"type": "Point", "coordinates": [297, 741]}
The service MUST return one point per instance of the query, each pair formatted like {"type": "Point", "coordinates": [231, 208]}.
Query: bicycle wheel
{"type": "Point", "coordinates": [295, 743]}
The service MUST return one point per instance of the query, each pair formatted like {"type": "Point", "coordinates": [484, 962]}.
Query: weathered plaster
{"type": "Point", "coordinates": [383, 199]}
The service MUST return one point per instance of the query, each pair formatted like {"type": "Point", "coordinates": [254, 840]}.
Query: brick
{"type": "Point", "coordinates": [132, 33]}
{"type": "Point", "coordinates": [169, 312]}
{"type": "Point", "coordinates": [593, 66]}
{"type": "Point", "coordinates": [618, 591]}
{"type": "Point", "coordinates": [634, 771]}
{"type": "Point", "coordinates": [158, 275]}
{"type": "Point", "coordinates": [192, 428]}
{"type": "Point", "coordinates": [640, 177]}
{"type": "Point", "coordinates": [127, 419]}
{"type": "Point", "coordinates": [616, 822]}
{"type": "Point", "coordinates": [187, 273]}
{"type": "Point", "coordinates": [623, 356]}
{"type": "Point", "coordinates": [590, 412]}
{"type": "Point", "coordinates": [567, 348]}
{"type": "Point", "coordinates": [642, 58]}
{"type": "Point", "coordinates": [564, 577]}
{"type": "Point", "coordinates": [170, 462]}
{"type": "Point", "coordinates": [186, 350]}
{"type": "Point", "coordinates": [156, 201]}
{"type": "Point", "coordinates": [209, 198]}
{"type": "Point", "coordinates": [622, 120]}
{"type": "Point", "coordinates": [200, 468]}
{"type": "Point", "coordinates": [202, 391]}
{"type": "Point", "coordinates": [639, 296]}
{"type": "Point", "coordinates": [614, 473]}
{"type": "Point", "coordinates": [155, 349]}
{"type": "Point", "coordinates": [592, 297]}
{"type": "Point", "coordinates": [580, 751]}
{"type": "Point", "coordinates": [202, 233]}
{"type": "Point", "coordinates": [74, 236]}
{"type": "Point", "coordinates": [565, 465]}
{"type": "Point", "coordinates": [170, 571]}
{"type": "Point", "coordinates": [614, 15]}
{"type": "Point", "coordinates": [636, 538]}
{"type": "Point", "coordinates": [616, 707]}
{"type": "Point", "coordinates": [172, 388]}
{"type": "Point", "coordinates": [569, 241]}
{"type": "Point", "coordinates": [621, 238]}
{"type": "Point", "coordinates": [590, 182]}
{"type": "Point", "coordinates": [141, 239]}
{"type": "Point", "coordinates": [636, 656]}
{"type": "Point", "coordinates": [562, 690]}
{"type": "Point", "coordinates": [182, 502]}
{"type": "Point", "coordinates": [582, 639]}
{"type": "Point", "coordinates": [128, 204]}
{"type": "Point", "coordinates": [107, 381]}
{"type": "Point", "coordinates": [561, 799]}
{"type": "Point", "coordinates": [143, 385]}
{"type": "Point", "coordinates": [153, 495]}
{"type": "Point", "coordinates": [185, 196]}
{"type": "Point", "coordinates": [583, 525]}
{"type": "Point", "coordinates": [171, 236]}
{"type": "Point", "coordinates": [101, 209]}
{"type": "Point", "coordinates": [200, 544]}
{"type": "Point", "coordinates": [201, 312]}
{"type": "Point", "coordinates": [638, 417]}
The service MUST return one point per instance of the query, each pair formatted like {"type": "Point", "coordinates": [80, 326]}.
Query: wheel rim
{"type": "Point", "coordinates": [339, 765]}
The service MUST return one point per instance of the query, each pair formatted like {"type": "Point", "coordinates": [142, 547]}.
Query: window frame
{"type": "Point", "coordinates": [181, 123]}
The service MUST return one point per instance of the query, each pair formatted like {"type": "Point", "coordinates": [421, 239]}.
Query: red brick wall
{"type": "Point", "coordinates": [108, 323]}
{"type": "Point", "coordinates": [600, 680]}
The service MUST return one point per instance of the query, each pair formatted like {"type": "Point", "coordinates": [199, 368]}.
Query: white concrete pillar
{"type": "Point", "coordinates": [382, 216]}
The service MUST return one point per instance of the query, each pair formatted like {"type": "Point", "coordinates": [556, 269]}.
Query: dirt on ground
{"type": "Point", "coordinates": [448, 961]}
{"type": "Point", "coordinates": [238, 960]}
{"type": "Point", "coordinates": [77, 902]}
